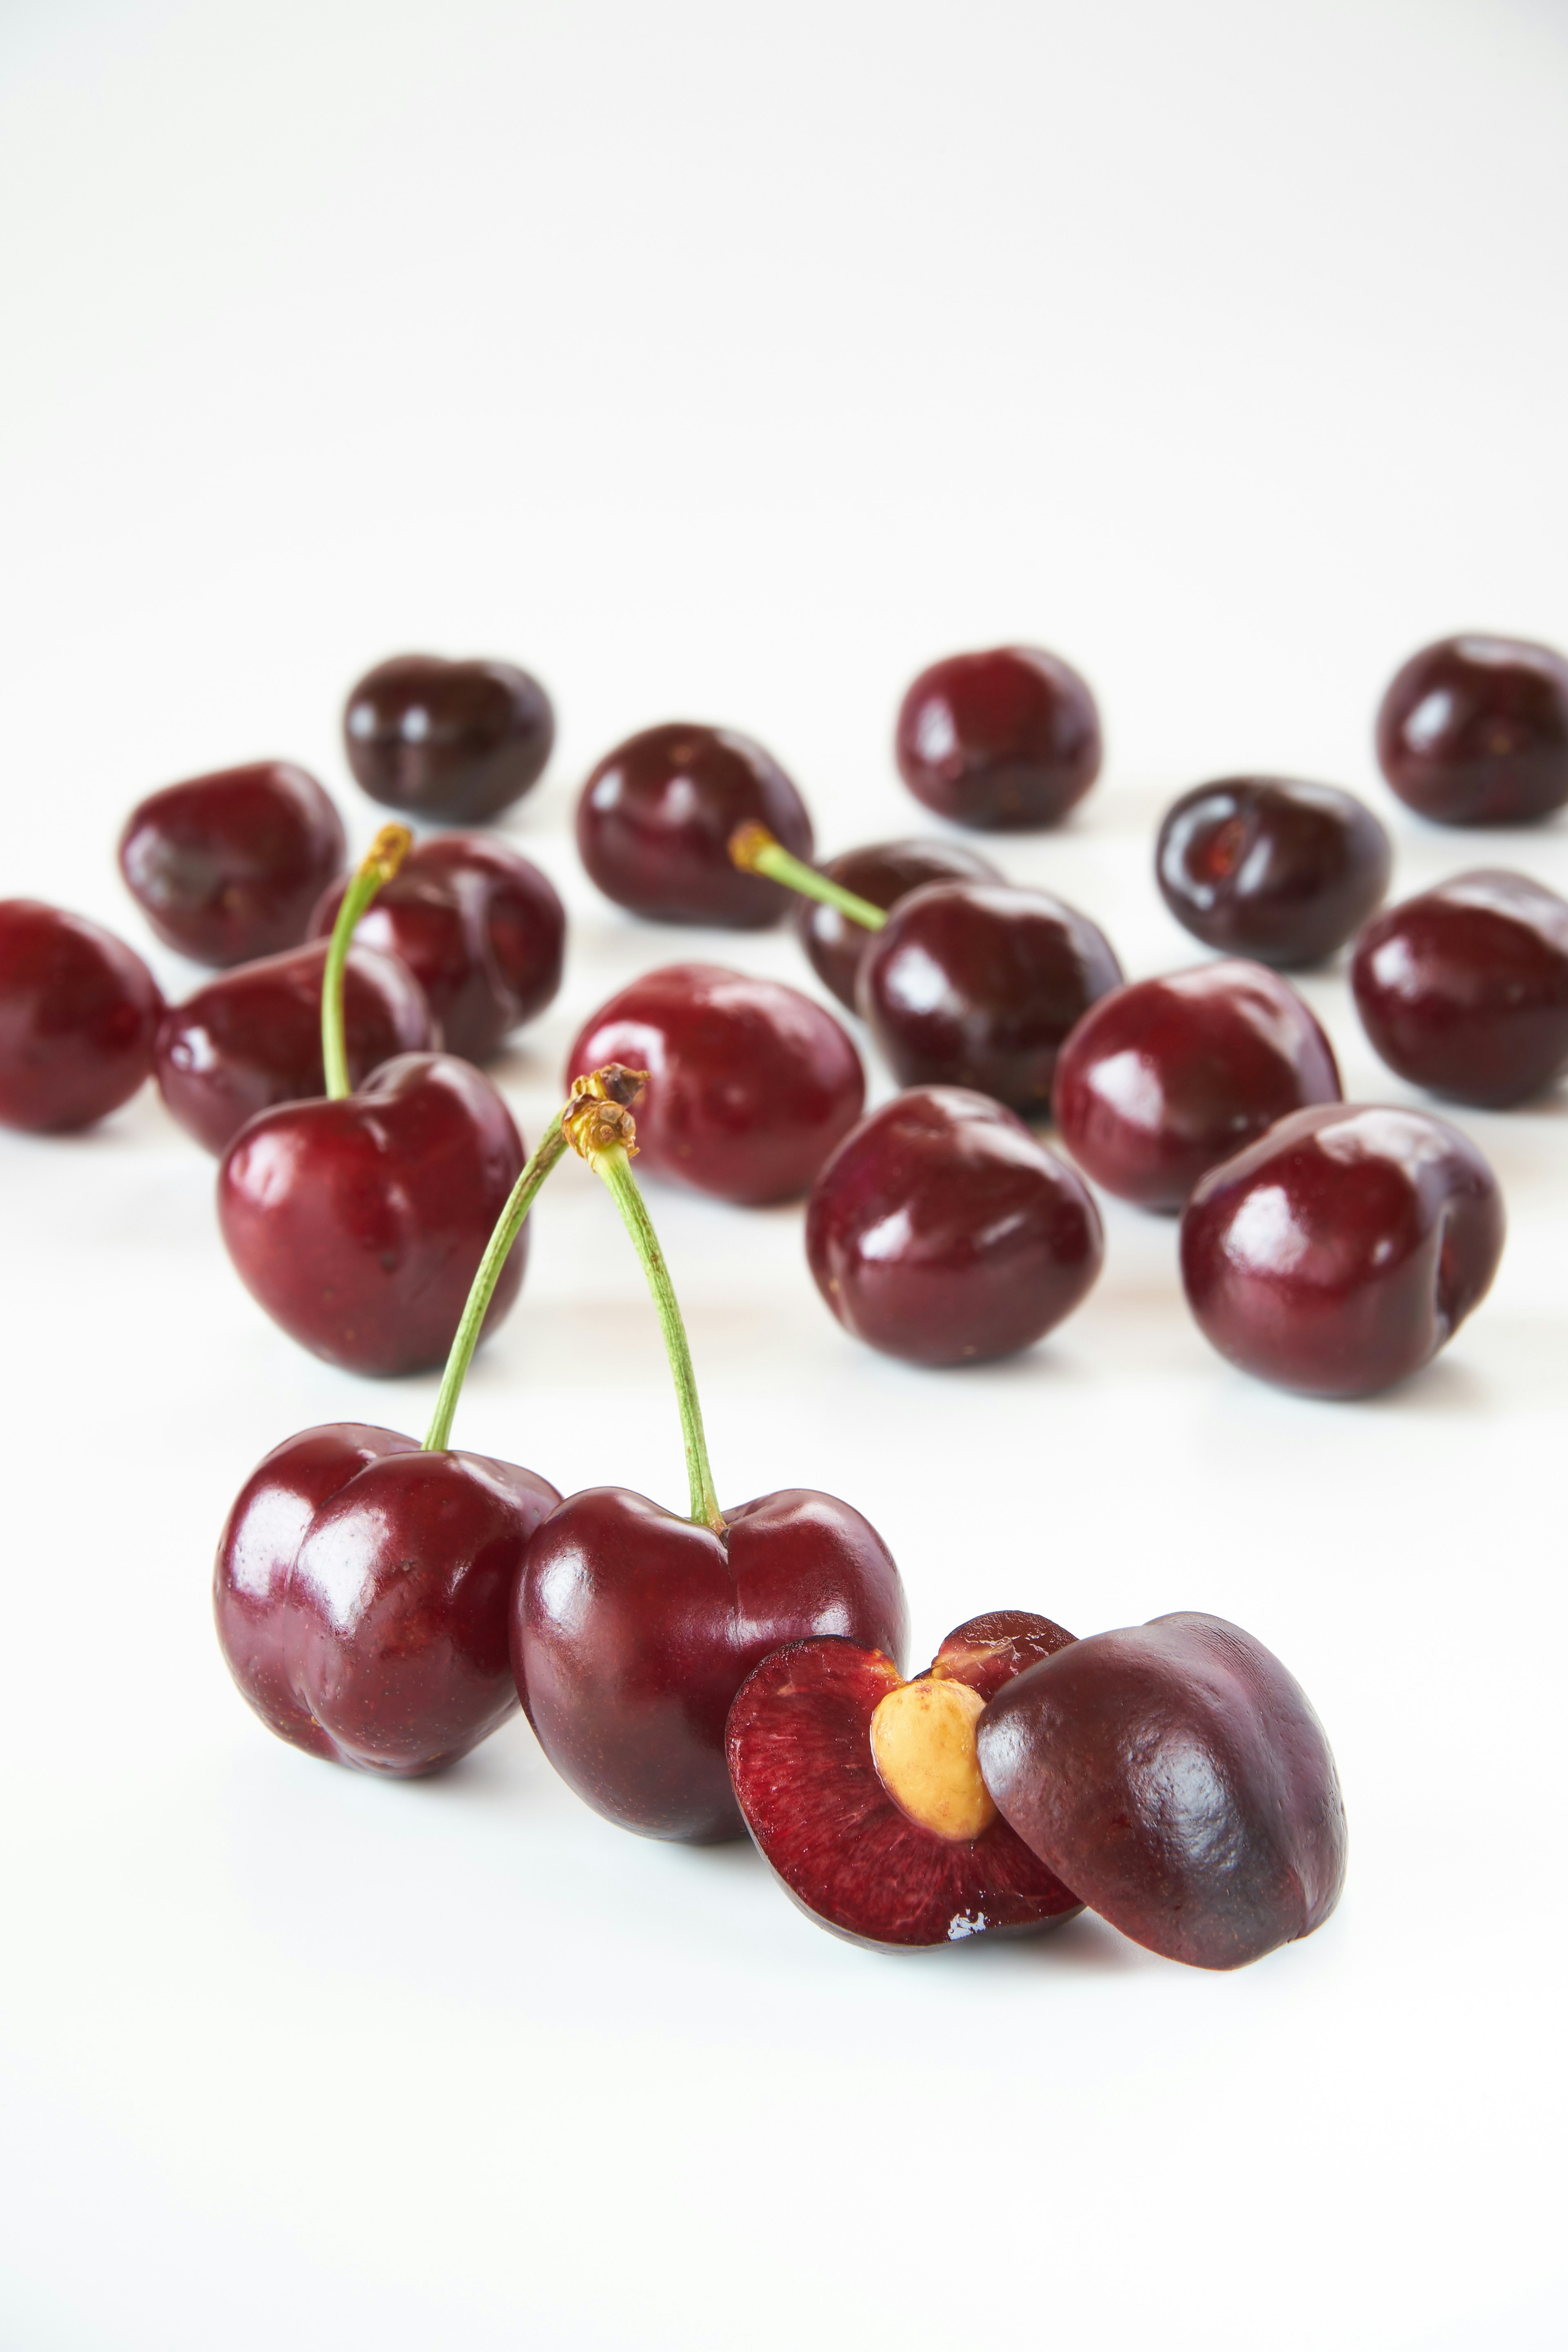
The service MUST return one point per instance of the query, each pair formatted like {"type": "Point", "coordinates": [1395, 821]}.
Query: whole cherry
{"type": "Point", "coordinates": [941, 1231]}
{"type": "Point", "coordinates": [1163, 1079]}
{"type": "Point", "coordinates": [1340, 1250]}
{"type": "Point", "coordinates": [656, 817]}
{"type": "Point", "coordinates": [1006, 741]}
{"type": "Point", "coordinates": [78, 1014]}
{"type": "Point", "coordinates": [1474, 731]}
{"type": "Point", "coordinates": [1267, 867]}
{"type": "Point", "coordinates": [879, 875]}
{"type": "Point", "coordinates": [479, 927]}
{"type": "Point", "coordinates": [1465, 988]}
{"type": "Point", "coordinates": [227, 868]}
{"type": "Point", "coordinates": [456, 740]}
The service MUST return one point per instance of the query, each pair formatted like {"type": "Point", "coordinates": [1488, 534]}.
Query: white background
{"type": "Point", "coordinates": [730, 361]}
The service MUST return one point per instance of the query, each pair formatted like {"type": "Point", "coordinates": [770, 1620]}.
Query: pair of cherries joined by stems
{"type": "Point", "coordinates": [385, 1604]}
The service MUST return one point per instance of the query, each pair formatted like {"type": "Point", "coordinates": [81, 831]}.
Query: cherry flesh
{"type": "Point", "coordinates": [1465, 989]}
{"type": "Point", "coordinates": [882, 874]}
{"type": "Point", "coordinates": [456, 740]}
{"type": "Point", "coordinates": [977, 984]}
{"type": "Point", "coordinates": [864, 1795]}
{"type": "Point", "coordinates": [1267, 867]}
{"type": "Point", "coordinates": [363, 1594]}
{"type": "Point", "coordinates": [633, 1630]}
{"type": "Point", "coordinates": [479, 927]}
{"type": "Point", "coordinates": [656, 817]}
{"type": "Point", "coordinates": [252, 1038]}
{"type": "Point", "coordinates": [941, 1231]}
{"type": "Point", "coordinates": [1165, 1079]}
{"type": "Point", "coordinates": [227, 868]}
{"type": "Point", "coordinates": [359, 1223]}
{"type": "Point", "coordinates": [1474, 731]}
{"type": "Point", "coordinates": [1174, 1776]}
{"type": "Point", "coordinates": [1343, 1249]}
{"type": "Point", "coordinates": [1006, 741]}
{"type": "Point", "coordinates": [749, 1084]}
{"type": "Point", "coordinates": [78, 1014]}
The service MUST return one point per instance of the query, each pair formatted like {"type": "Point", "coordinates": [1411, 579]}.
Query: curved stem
{"type": "Point", "coordinates": [754, 850]}
{"type": "Point", "coordinates": [380, 862]}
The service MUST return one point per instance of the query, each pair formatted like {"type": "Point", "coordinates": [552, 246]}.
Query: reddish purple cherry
{"type": "Point", "coordinates": [227, 868]}
{"type": "Point", "coordinates": [1267, 867]}
{"type": "Point", "coordinates": [455, 740]}
{"type": "Point", "coordinates": [881, 875]}
{"type": "Point", "coordinates": [78, 1014]}
{"type": "Point", "coordinates": [1007, 741]}
{"type": "Point", "coordinates": [1474, 731]}
{"type": "Point", "coordinates": [656, 817]}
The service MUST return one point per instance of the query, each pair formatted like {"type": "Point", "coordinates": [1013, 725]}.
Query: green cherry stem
{"type": "Point", "coordinates": [753, 849]}
{"type": "Point", "coordinates": [380, 862]}
{"type": "Point", "coordinates": [603, 1133]}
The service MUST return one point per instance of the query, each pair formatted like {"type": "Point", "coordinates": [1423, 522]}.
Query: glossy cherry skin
{"type": "Point", "coordinates": [1465, 989]}
{"type": "Point", "coordinates": [79, 1012]}
{"type": "Point", "coordinates": [1174, 1776]}
{"type": "Point", "coordinates": [1343, 1249]}
{"type": "Point", "coordinates": [252, 1038]}
{"type": "Point", "coordinates": [883, 873]}
{"type": "Point", "coordinates": [1267, 868]}
{"type": "Point", "coordinates": [480, 928]}
{"type": "Point", "coordinates": [227, 868]}
{"type": "Point", "coordinates": [364, 1592]}
{"type": "Point", "coordinates": [1474, 731]}
{"type": "Point", "coordinates": [799, 1747]}
{"type": "Point", "coordinates": [359, 1225]}
{"type": "Point", "coordinates": [633, 1630]}
{"type": "Point", "coordinates": [456, 740]}
{"type": "Point", "coordinates": [656, 817]}
{"type": "Point", "coordinates": [941, 1231]}
{"type": "Point", "coordinates": [977, 984]}
{"type": "Point", "coordinates": [1165, 1079]}
{"type": "Point", "coordinates": [749, 1084]}
{"type": "Point", "coordinates": [1006, 741]}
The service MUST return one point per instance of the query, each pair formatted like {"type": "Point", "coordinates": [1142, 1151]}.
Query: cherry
{"type": "Point", "coordinates": [358, 1221]}
{"type": "Point", "coordinates": [656, 817]}
{"type": "Point", "coordinates": [1007, 741]}
{"type": "Point", "coordinates": [863, 1791]}
{"type": "Point", "coordinates": [750, 1085]}
{"type": "Point", "coordinates": [1474, 731]}
{"type": "Point", "coordinates": [1267, 868]}
{"type": "Point", "coordinates": [941, 1231]}
{"type": "Point", "coordinates": [457, 741]}
{"type": "Point", "coordinates": [633, 1629]}
{"type": "Point", "coordinates": [79, 1012]}
{"type": "Point", "coordinates": [1163, 1079]}
{"type": "Point", "coordinates": [1343, 1248]}
{"type": "Point", "coordinates": [227, 868]}
{"type": "Point", "coordinates": [1174, 1776]}
{"type": "Point", "coordinates": [252, 1038]}
{"type": "Point", "coordinates": [881, 875]}
{"type": "Point", "coordinates": [479, 927]}
{"type": "Point", "coordinates": [1465, 988]}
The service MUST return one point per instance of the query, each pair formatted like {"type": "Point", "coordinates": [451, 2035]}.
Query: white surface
{"type": "Point", "coordinates": [729, 363]}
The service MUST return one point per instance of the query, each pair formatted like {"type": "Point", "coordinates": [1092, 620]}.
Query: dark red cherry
{"type": "Point", "coordinates": [749, 1084]}
{"type": "Point", "coordinates": [941, 1231]}
{"type": "Point", "coordinates": [1174, 1776]}
{"type": "Point", "coordinates": [1267, 868]}
{"type": "Point", "coordinates": [359, 1225]}
{"type": "Point", "coordinates": [479, 927]}
{"type": "Point", "coordinates": [1165, 1079]}
{"type": "Point", "coordinates": [79, 1012]}
{"type": "Point", "coordinates": [1007, 741]}
{"type": "Point", "coordinates": [863, 1791]}
{"type": "Point", "coordinates": [883, 873]}
{"type": "Point", "coordinates": [1343, 1248]}
{"type": "Point", "coordinates": [253, 1038]}
{"type": "Point", "coordinates": [977, 984]}
{"type": "Point", "coordinates": [364, 1594]}
{"type": "Point", "coordinates": [1474, 731]}
{"type": "Point", "coordinates": [633, 1630]}
{"type": "Point", "coordinates": [456, 741]}
{"type": "Point", "coordinates": [1465, 989]}
{"type": "Point", "coordinates": [227, 868]}
{"type": "Point", "coordinates": [656, 817]}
